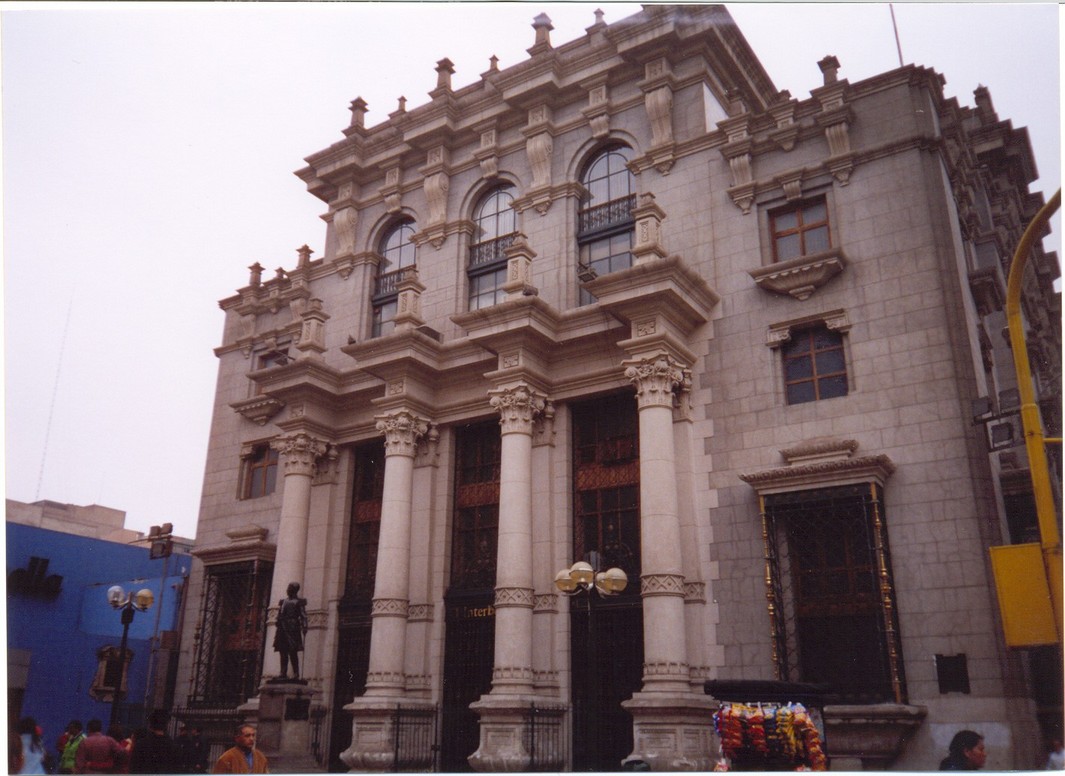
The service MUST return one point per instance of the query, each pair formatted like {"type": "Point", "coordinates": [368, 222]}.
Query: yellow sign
{"type": "Point", "coordinates": [1023, 595]}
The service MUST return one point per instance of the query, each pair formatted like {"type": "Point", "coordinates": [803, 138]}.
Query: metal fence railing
{"type": "Point", "coordinates": [545, 738]}
{"type": "Point", "coordinates": [415, 740]}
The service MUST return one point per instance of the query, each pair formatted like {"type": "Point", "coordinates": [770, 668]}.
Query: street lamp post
{"type": "Point", "coordinates": [128, 604]}
{"type": "Point", "coordinates": [585, 577]}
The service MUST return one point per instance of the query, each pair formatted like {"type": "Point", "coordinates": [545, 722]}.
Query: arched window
{"type": "Point", "coordinates": [604, 223]}
{"type": "Point", "coordinates": [496, 225]}
{"type": "Point", "coordinates": [397, 252]}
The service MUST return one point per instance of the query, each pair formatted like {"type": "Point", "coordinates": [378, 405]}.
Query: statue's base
{"type": "Point", "coordinates": [284, 733]}
{"type": "Point", "coordinates": [286, 680]}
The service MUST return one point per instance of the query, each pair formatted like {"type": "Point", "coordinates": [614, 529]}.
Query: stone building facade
{"type": "Point", "coordinates": [627, 297]}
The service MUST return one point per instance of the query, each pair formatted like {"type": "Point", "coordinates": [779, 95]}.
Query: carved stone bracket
{"type": "Point", "coordinates": [597, 111]}
{"type": "Point", "coordinates": [258, 409]}
{"type": "Point", "coordinates": [801, 276]}
{"type": "Point", "coordinates": [312, 330]}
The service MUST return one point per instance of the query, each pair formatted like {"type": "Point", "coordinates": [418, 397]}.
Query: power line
{"type": "Point", "coordinates": [55, 390]}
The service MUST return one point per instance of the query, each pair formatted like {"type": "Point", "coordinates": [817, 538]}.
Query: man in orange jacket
{"type": "Point", "coordinates": [244, 757]}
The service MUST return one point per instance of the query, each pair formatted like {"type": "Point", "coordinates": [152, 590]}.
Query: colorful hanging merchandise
{"type": "Point", "coordinates": [768, 737]}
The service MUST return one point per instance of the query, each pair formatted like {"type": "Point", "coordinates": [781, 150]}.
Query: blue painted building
{"type": "Point", "coordinates": [64, 638]}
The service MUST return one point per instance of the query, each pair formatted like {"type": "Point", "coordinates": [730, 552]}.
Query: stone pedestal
{"type": "Point", "coordinates": [284, 726]}
{"type": "Point", "coordinates": [376, 735]}
{"type": "Point", "coordinates": [673, 731]}
{"type": "Point", "coordinates": [869, 737]}
{"type": "Point", "coordinates": [505, 744]}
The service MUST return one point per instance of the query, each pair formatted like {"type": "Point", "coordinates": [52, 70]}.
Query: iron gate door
{"type": "Point", "coordinates": [469, 643]}
{"type": "Point", "coordinates": [353, 662]}
{"type": "Point", "coordinates": [604, 676]}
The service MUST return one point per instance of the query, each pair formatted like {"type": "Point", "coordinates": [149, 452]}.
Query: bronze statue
{"type": "Point", "coordinates": [291, 630]}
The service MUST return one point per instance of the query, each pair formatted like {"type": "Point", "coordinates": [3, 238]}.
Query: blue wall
{"type": "Point", "coordinates": [63, 634]}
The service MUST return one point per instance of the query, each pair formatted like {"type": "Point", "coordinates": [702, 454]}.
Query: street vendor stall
{"type": "Point", "coordinates": [768, 725]}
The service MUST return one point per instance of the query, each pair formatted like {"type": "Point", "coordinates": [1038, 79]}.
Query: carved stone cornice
{"type": "Point", "coordinates": [246, 543]}
{"type": "Point", "coordinates": [869, 468]}
{"type": "Point", "coordinates": [299, 452]}
{"type": "Point", "coordinates": [518, 408]}
{"type": "Point", "coordinates": [403, 431]}
{"type": "Point", "coordinates": [695, 592]}
{"type": "Point", "coordinates": [420, 613]}
{"type": "Point", "coordinates": [519, 597]}
{"type": "Point", "coordinates": [390, 607]}
{"type": "Point", "coordinates": [662, 584]}
{"type": "Point", "coordinates": [657, 380]}
{"type": "Point", "coordinates": [801, 276]}
{"type": "Point", "coordinates": [545, 603]}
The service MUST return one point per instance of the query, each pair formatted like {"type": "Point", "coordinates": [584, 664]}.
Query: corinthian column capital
{"type": "Point", "coordinates": [518, 407]}
{"type": "Point", "coordinates": [300, 452]}
{"type": "Point", "coordinates": [403, 430]}
{"type": "Point", "coordinates": [656, 380]}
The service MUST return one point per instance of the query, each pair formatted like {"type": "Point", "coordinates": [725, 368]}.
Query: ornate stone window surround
{"type": "Point", "coordinates": [801, 276]}
{"type": "Point", "coordinates": [779, 333]}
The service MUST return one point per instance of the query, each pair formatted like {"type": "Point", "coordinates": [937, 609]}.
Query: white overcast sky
{"type": "Point", "coordinates": [148, 152]}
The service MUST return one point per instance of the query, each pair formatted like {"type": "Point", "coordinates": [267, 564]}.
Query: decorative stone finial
{"type": "Point", "coordinates": [305, 256]}
{"type": "Point", "coordinates": [358, 112]}
{"type": "Point", "coordinates": [256, 275]}
{"type": "Point", "coordinates": [830, 68]}
{"type": "Point", "coordinates": [493, 64]}
{"type": "Point", "coordinates": [402, 105]}
{"type": "Point", "coordinates": [599, 16]}
{"type": "Point", "coordinates": [542, 25]}
{"type": "Point", "coordinates": [444, 68]}
{"type": "Point", "coordinates": [983, 101]}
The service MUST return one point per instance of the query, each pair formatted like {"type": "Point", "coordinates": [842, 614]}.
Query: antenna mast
{"type": "Point", "coordinates": [895, 26]}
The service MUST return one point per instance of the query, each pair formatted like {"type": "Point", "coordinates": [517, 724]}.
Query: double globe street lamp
{"type": "Point", "coordinates": [128, 604]}
{"type": "Point", "coordinates": [585, 577]}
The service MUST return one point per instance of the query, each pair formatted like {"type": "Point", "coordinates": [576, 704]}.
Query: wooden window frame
{"type": "Point", "coordinates": [801, 229]}
{"type": "Point", "coordinates": [790, 352]}
{"type": "Point", "coordinates": [257, 463]}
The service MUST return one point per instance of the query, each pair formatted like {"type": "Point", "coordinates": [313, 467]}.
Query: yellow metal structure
{"type": "Point", "coordinates": [1017, 592]}
{"type": "Point", "coordinates": [1023, 595]}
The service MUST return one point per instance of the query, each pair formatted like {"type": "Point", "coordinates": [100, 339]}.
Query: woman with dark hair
{"type": "Point", "coordinates": [966, 752]}
{"type": "Point", "coordinates": [32, 748]}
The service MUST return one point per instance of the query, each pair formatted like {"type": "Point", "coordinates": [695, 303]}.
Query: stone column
{"type": "Point", "coordinates": [373, 731]}
{"type": "Point", "coordinates": [670, 728]}
{"type": "Point", "coordinates": [662, 581]}
{"type": "Point", "coordinates": [402, 431]}
{"type": "Point", "coordinates": [502, 711]}
{"type": "Point", "coordinates": [512, 666]}
{"type": "Point", "coordinates": [298, 453]}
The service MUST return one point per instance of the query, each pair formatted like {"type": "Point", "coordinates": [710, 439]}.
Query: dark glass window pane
{"type": "Point", "coordinates": [826, 338]}
{"type": "Point", "coordinates": [798, 368]}
{"type": "Point", "coordinates": [800, 393]}
{"type": "Point", "coordinates": [785, 221]}
{"type": "Point", "coordinates": [829, 361]}
{"type": "Point", "coordinates": [815, 213]}
{"type": "Point", "coordinates": [830, 387]}
{"type": "Point", "coordinates": [817, 240]}
{"type": "Point", "coordinates": [787, 247]}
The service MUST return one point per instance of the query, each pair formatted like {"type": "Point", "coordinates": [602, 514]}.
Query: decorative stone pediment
{"type": "Point", "coordinates": [818, 463]}
{"type": "Point", "coordinates": [801, 276]}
